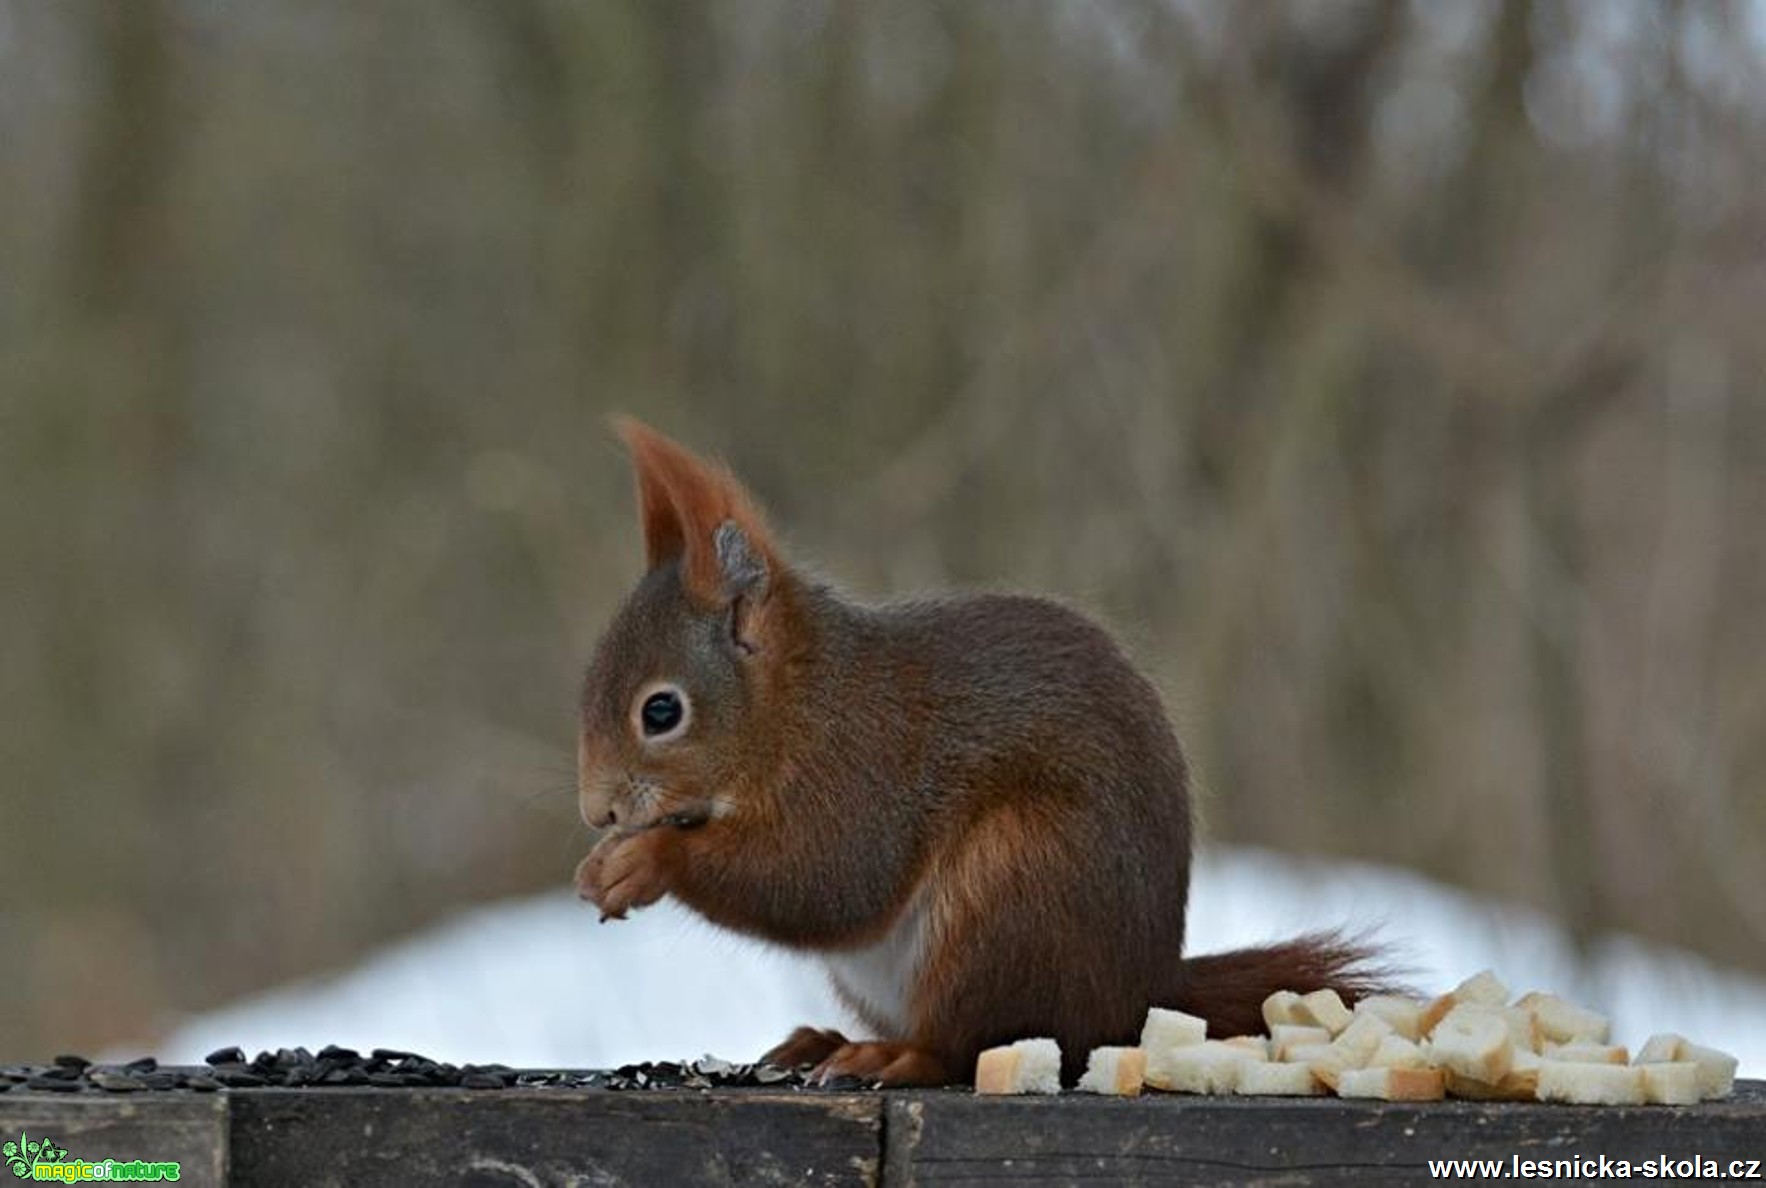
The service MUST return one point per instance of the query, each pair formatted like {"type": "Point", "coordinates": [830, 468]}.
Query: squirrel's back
{"type": "Point", "coordinates": [1040, 672]}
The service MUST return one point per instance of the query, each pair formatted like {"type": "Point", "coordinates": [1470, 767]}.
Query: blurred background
{"type": "Point", "coordinates": [1388, 374]}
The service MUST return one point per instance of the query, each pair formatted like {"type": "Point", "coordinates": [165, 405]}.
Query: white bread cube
{"type": "Point", "coordinates": [1207, 1067]}
{"type": "Point", "coordinates": [1284, 1036]}
{"type": "Point", "coordinates": [1482, 987]}
{"type": "Point", "coordinates": [1523, 1029]}
{"type": "Point", "coordinates": [1661, 1048]}
{"type": "Point", "coordinates": [1277, 1080]}
{"type": "Point", "coordinates": [1519, 1083]}
{"type": "Point", "coordinates": [1361, 1038]}
{"type": "Point", "coordinates": [1716, 1070]}
{"type": "Point", "coordinates": [1326, 1061]}
{"type": "Point", "coordinates": [1323, 1008]}
{"type": "Point", "coordinates": [1403, 1015]}
{"type": "Point", "coordinates": [1473, 1040]}
{"type": "Point", "coordinates": [1393, 1084]}
{"type": "Point", "coordinates": [1588, 1053]}
{"type": "Point", "coordinates": [1435, 1010]}
{"type": "Point", "coordinates": [1591, 1084]}
{"type": "Point", "coordinates": [1512, 1087]}
{"type": "Point", "coordinates": [1397, 1052]}
{"type": "Point", "coordinates": [1171, 1029]}
{"type": "Point", "coordinates": [1523, 1061]}
{"type": "Point", "coordinates": [1028, 1066]}
{"type": "Point", "coordinates": [1254, 1046]}
{"type": "Point", "coordinates": [1675, 1083]}
{"type": "Point", "coordinates": [1119, 1072]}
{"type": "Point", "coordinates": [1563, 1022]}
{"type": "Point", "coordinates": [1278, 1009]}
{"type": "Point", "coordinates": [1307, 1053]}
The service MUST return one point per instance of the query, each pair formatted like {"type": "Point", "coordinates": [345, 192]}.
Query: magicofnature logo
{"type": "Point", "coordinates": [40, 1159]}
{"type": "Point", "coordinates": [24, 1155]}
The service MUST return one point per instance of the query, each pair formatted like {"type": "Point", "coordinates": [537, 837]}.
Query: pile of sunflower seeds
{"type": "Point", "coordinates": [388, 1068]}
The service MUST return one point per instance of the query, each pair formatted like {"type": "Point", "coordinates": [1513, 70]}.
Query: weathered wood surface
{"type": "Point", "coordinates": [932, 1139]}
{"type": "Point", "coordinates": [543, 1136]}
{"type": "Point", "coordinates": [949, 1140]}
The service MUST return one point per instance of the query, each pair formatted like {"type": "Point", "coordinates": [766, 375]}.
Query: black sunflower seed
{"type": "Point", "coordinates": [240, 1079]}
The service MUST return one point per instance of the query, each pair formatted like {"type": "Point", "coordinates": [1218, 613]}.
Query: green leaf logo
{"type": "Point", "coordinates": [25, 1154]}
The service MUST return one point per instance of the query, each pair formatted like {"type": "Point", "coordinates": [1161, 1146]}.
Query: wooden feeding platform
{"type": "Point", "coordinates": [570, 1133]}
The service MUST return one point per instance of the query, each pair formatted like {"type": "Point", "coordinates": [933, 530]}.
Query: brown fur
{"type": "Point", "coordinates": [992, 761]}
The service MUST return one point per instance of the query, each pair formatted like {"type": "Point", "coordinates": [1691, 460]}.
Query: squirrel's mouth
{"type": "Point", "coordinates": [652, 806]}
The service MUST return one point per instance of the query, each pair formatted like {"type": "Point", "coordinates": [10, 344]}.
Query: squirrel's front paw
{"type": "Point", "coordinates": [623, 871]}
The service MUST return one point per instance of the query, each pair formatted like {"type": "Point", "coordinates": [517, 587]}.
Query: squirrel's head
{"type": "Point", "coordinates": [673, 704]}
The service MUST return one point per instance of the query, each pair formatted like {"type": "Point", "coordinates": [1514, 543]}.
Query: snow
{"type": "Point", "coordinates": [539, 983]}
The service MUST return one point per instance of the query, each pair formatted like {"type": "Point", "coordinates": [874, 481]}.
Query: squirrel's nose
{"type": "Point", "coordinates": [599, 811]}
{"type": "Point", "coordinates": [595, 798]}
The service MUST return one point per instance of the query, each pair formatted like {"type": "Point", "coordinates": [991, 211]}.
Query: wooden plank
{"type": "Point", "coordinates": [921, 1139]}
{"type": "Point", "coordinates": [952, 1139]}
{"type": "Point", "coordinates": [549, 1136]}
{"type": "Point", "coordinates": [188, 1128]}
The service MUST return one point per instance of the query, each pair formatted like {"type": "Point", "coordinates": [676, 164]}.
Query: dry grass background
{"type": "Point", "coordinates": [1388, 374]}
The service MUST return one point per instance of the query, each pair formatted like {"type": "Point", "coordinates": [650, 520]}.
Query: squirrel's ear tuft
{"type": "Point", "coordinates": [664, 537]}
{"type": "Point", "coordinates": [696, 512]}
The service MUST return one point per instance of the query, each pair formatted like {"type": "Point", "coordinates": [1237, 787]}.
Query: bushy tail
{"type": "Point", "coordinates": [1228, 989]}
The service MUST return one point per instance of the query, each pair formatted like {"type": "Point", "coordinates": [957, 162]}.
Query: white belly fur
{"type": "Point", "coordinates": [876, 979]}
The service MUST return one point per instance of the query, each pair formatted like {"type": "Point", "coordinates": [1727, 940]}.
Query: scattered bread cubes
{"type": "Point", "coordinates": [1181, 1059]}
{"type": "Point", "coordinates": [1472, 1042]}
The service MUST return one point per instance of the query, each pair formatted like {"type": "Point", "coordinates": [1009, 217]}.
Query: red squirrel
{"type": "Point", "coordinates": [972, 808]}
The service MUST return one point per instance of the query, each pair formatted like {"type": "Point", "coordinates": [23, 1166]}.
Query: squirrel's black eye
{"type": "Point", "coordinates": [662, 712]}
